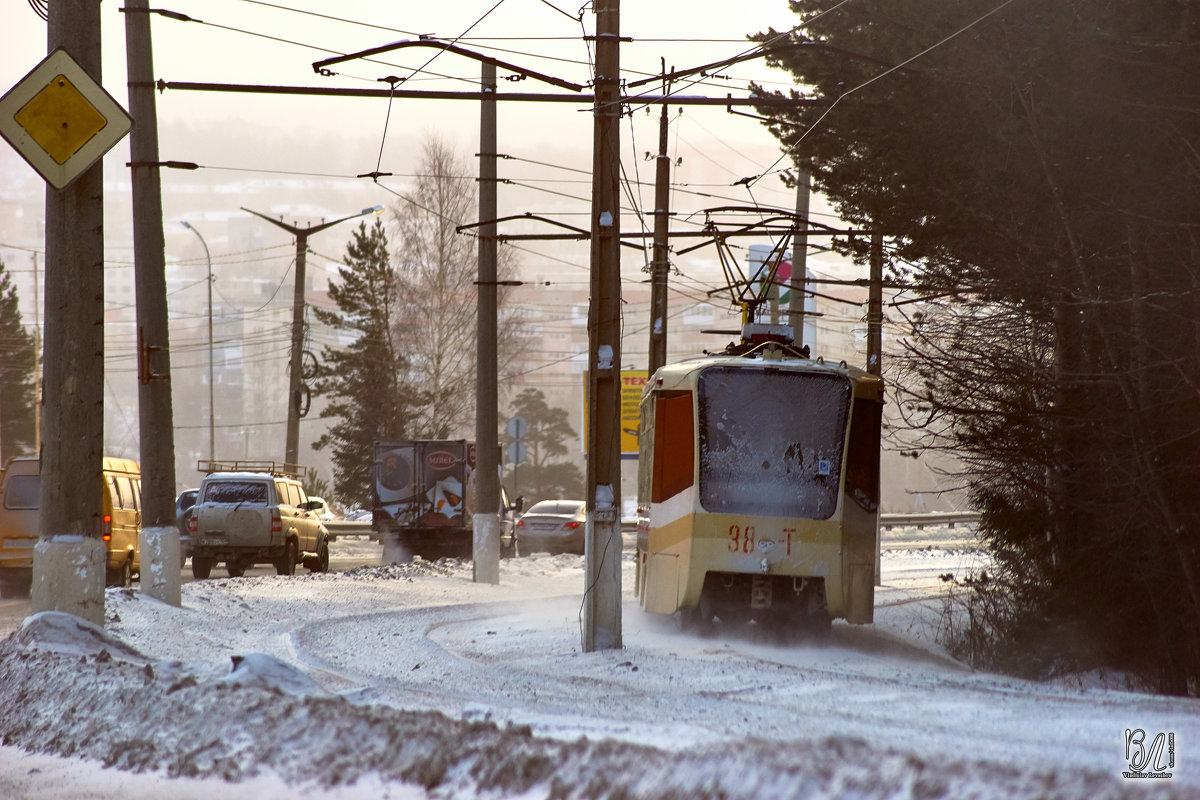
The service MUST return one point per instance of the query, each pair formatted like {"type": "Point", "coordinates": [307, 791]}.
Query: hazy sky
{"type": "Point", "coordinates": [250, 42]}
{"type": "Point", "coordinates": [300, 156]}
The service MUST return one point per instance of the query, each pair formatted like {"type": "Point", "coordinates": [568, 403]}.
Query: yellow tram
{"type": "Point", "coordinates": [758, 487]}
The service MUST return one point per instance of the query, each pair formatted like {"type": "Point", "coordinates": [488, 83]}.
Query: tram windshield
{"type": "Point", "coordinates": [771, 441]}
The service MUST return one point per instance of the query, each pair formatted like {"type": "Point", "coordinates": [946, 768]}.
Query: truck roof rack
{"type": "Point", "coordinates": [279, 469]}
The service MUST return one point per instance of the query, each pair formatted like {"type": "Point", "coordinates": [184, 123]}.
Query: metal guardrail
{"type": "Point", "coordinates": [931, 519]}
{"type": "Point", "coordinates": [886, 521]}
{"type": "Point", "coordinates": [341, 527]}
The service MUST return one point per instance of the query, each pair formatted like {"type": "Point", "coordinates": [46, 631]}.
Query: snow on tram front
{"type": "Point", "coordinates": [758, 488]}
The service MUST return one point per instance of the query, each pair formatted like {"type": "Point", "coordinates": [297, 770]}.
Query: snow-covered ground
{"type": "Point", "coordinates": [411, 681]}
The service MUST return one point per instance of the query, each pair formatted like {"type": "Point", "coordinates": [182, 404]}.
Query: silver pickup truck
{"type": "Point", "coordinates": [254, 513]}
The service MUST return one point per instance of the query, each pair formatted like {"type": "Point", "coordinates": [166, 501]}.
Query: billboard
{"type": "Point", "coordinates": [632, 383]}
{"type": "Point", "coordinates": [424, 483]}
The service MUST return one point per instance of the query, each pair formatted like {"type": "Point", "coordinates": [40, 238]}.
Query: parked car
{"type": "Point", "coordinates": [250, 513]}
{"type": "Point", "coordinates": [552, 526]}
{"type": "Point", "coordinates": [183, 504]}
{"type": "Point", "coordinates": [321, 508]}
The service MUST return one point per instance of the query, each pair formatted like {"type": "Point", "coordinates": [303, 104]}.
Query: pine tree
{"type": "Point", "coordinates": [1035, 166]}
{"type": "Point", "coordinates": [545, 474]}
{"type": "Point", "coordinates": [365, 381]}
{"type": "Point", "coordinates": [17, 364]}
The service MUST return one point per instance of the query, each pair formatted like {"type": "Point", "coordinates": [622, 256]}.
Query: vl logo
{"type": "Point", "coordinates": [1149, 760]}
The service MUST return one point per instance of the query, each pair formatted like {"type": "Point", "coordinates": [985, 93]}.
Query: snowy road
{"type": "Point", "coordinates": [426, 638]}
{"type": "Point", "coordinates": [521, 664]}
{"type": "Point", "coordinates": [519, 661]}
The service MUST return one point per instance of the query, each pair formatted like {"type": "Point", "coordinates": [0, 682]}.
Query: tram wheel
{"type": "Point", "coordinates": [697, 620]}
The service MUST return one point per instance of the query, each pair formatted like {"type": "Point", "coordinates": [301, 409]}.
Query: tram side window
{"type": "Point", "coordinates": [674, 445]}
{"type": "Point", "coordinates": [862, 459]}
{"type": "Point", "coordinates": [771, 441]}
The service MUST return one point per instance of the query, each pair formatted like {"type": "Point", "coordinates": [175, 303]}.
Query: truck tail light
{"type": "Point", "coordinates": [276, 522]}
{"type": "Point", "coordinates": [191, 523]}
{"type": "Point", "coordinates": [106, 532]}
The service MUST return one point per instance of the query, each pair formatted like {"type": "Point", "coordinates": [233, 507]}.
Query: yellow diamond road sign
{"type": "Point", "coordinates": [60, 120]}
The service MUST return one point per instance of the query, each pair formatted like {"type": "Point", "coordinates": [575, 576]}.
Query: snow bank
{"type": "Point", "coordinates": [411, 681]}
{"type": "Point", "coordinates": [154, 717]}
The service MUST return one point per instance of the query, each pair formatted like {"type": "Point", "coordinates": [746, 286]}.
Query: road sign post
{"type": "Point", "coordinates": [61, 121]}
{"type": "Point", "coordinates": [517, 452]}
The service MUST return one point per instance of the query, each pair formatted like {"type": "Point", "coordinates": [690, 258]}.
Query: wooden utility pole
{"type": "Point", "coordinates": [602, 554]}
{"type": "Point", "coordinates": [159, 538]}
{"type": "Point", "coordinates": [486, 525]}
{"type": "Point", "coordinates": [68, 566]}
{"type": "Point", "coordinates": [660, 266]}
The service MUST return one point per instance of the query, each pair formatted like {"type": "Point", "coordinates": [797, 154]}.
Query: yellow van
{"type": "Point", "coordinates": [20, 500]}
{"type": "Point", "coordinates": [122, 519]}
{"type": "Point", "coordinates": [20, 488]}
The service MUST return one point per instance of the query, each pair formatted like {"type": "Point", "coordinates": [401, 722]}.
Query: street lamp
{"type": "Point", "coordinates": [211, 407]}
{"type": "Point", "coordinates": [291, 455]}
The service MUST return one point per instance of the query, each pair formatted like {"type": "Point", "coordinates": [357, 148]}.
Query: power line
{"type": "Point", "coordinates": [420, 69]}
{"type": "Point", "coordinates": [331, 17]}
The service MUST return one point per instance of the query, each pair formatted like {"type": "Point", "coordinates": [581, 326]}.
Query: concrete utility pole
{"type": "Point", "coordinates": [798, 286]}
{"type": "Point", "coordinates": [37, 357]}
{"type": "Point", "coordinates": [486, 526]}
{"type": "Point", "coordinates": [875, 350]}
{"type": "Point", "coordinates": [875, 308]}
{"type": "Point", "coordinates": [158, 539]}
{"type": "Point", "coordinates": [602, 555]}
{"type": "Point", "coordinates": [660, 266]}
{"type": "Point", "coordinates": [295, 365]}
{"type": "Point", "coordinates": [69, 559]}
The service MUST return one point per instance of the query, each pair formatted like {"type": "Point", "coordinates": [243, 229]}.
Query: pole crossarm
{"type": "Point", "coordinates": [761, 52]}
{"type": "Point", "coordinates": [521, 97]}
{"type": "Point", "coordinates": [778, 212]}
{"type": "Point", "coordinates": [295, 230]}
{"type": "Point", "coordinates": [581, 233]}
{"type": "Point", "coordinates": [322, 67]}
{"type": "Point", "coordinates": [754, 229]}
{"type": "Point", "coordinates": [757, 231]}
{"type": "Point", "coordinates": [578, 234]}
